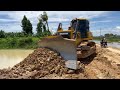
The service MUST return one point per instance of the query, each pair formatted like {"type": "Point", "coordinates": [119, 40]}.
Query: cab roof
{"type": "Point", "coordinates": [80, 19]}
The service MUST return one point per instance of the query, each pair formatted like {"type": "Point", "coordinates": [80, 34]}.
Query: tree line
{"type": "Point", "coordinates": [27, 28]}
{"type": "Point", "coordinates": [109, 36]}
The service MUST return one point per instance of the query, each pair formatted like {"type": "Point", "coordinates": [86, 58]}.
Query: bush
{"type": "Point", "coordinates": [12, 42]}
{"type": "Point", "coordinates": [2, 34]}
{"type": "Point", "coordinates": [46, 33]}
{"type": "Point", "coordinates": [19, 42]}
{"type": "Point", "coordinates": [24, 42]}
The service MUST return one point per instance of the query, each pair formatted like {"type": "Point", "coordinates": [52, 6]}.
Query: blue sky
{"type": "Point", "coordinates": [108, 21]}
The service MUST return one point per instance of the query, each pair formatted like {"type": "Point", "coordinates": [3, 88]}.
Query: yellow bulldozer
{"type": "Point", "coordinates": [72, 44]}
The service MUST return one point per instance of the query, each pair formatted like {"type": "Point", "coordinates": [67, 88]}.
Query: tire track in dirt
{"type": "Point", "coordinates": [102, 66]}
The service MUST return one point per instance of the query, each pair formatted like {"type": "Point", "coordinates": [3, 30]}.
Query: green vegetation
{"type": "Point", "coordinates": [39, 28]}
{"type": "Point", "coordinates": [42, 26]}
{"type": "Point", "coordinates": [19, 42]}
{"type": "Point", "coordinates": [26, 26]}
{"type": "Point", "coordinates": [25, 39]}
{"type": "Point", "coordinates": [109, 37]}
{"type": "Point", "coordinates": [2, 34]}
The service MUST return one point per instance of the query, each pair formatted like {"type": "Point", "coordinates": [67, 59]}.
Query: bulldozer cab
{"type": "Point", "coordinates": [78, 27]}
{"type": "Point", "coordinates": [81, 26]}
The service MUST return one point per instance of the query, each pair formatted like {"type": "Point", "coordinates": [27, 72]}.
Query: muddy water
{"type": "Point", "coordinates": [113, 44]}
{"type": "Point", "coordinates": [8, 58]}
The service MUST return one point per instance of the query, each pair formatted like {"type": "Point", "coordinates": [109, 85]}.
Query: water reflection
{"type": "Point", "coordinates": [8, 58]}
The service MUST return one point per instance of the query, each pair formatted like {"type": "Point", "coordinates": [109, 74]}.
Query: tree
{"type": "Point", "coordinates": [29, 28]}
{"type": "Point", "coordinates": [26, 26]}
{"type": "Point", "coordinates": [107, 35]}
{"type": "Point", "coordinates": [2, 34]}
{"type": "Point", "coordinates": [43, 20]}
{"type": "Point", "coordinates": [44, 28]}
{"type": "Point", "coordinates": [39, 28]}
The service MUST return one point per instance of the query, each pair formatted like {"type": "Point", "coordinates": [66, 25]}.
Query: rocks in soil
{"type": "Point", "coordinates": [40, 63]}
{"type": "Point", "coordinates": [44, 63]}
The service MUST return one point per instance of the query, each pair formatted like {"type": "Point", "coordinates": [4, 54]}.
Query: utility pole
{"type": "Point", "coordinates": [100, 33]}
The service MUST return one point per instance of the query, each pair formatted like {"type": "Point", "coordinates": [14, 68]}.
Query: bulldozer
{"type": "Point", "coordinates": [72, 44]}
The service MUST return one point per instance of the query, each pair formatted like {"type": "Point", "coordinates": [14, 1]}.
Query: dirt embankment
{"type": "Point", "coordinates": [46, 64]}
{"type": "Point", "coordinates": [38, 64]}
{"type": "Point", "coordinates": [106, 64]}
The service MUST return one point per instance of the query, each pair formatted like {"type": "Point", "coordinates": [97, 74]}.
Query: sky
{"type": "Point", "coordinates": [104, 21]}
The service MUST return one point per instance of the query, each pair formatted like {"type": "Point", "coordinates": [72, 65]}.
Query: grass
{"type": "Point", "coordinates": [19, 43]}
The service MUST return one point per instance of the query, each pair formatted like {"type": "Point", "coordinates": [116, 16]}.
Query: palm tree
{"type": "Point", "coordinates": [45, 18]}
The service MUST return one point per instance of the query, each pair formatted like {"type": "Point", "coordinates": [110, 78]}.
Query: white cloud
{"type": "Point", "coordinates": [11, 28]}
{"type": "Point", "coordinates": [76, 14]}
{"type": "Point", "coordinates": [117, 27]}
{"type": "Point", "coordinates": [105, 30]}
{"type": "Point", "coordinates": [18, 15]}
{"type": "Point", "coordinates": [54, 16]}
{"type": "Point", "coordinates": [104, 21]}
{"type": "Point", "coordinates": [58, 19]}
{"type": "Point", "coordinates": [7, 20]}
{"type": "Point", "coordinates": [14, 27]}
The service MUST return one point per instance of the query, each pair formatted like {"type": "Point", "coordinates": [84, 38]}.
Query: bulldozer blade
{"type": "Point", "coordinates": [65, 47]}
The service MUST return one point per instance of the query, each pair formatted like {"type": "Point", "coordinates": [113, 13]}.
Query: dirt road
{"type": "Point", "coordinates": [106, 64]}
